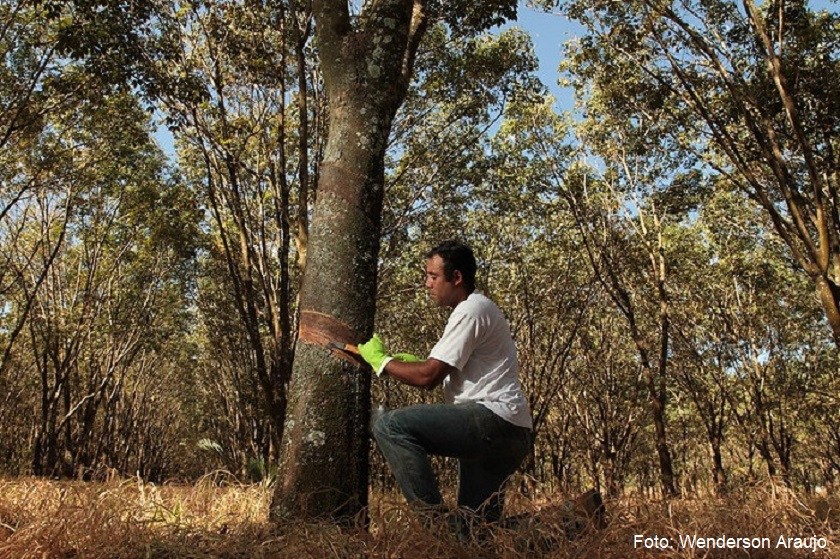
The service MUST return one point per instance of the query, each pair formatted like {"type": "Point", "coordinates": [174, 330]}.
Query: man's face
{"type": "Point", "coordinates": [445, 293]}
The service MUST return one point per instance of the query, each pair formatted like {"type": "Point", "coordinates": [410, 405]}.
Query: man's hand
{"type": "Point", "coordinates": [373, 351]}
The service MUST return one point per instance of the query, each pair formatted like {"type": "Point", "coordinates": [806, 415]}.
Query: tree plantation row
{"type": "Point", "coordinates": [668, 257]}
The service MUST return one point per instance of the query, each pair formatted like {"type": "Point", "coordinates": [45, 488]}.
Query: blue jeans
{"type": "Point", "coordinates": [488, 449]}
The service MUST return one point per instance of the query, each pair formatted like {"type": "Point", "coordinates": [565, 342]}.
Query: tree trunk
{"type": "Point", "coordinates": [764, 450]}
{"type": "Point", "coordinates": [829, 294]}
{"type": "Point", "coordinates": [666, 467]}
{"type": "Point", "coordinates": [366, 65]}
{"type": "Point", "coordinates": [658, 402]}
{"type": "Point", "coordinates": [324, 462]}
{"type": "Point", "coordinates": [718, 473]}
{"type": "Point", "coordinates": [611, 478]}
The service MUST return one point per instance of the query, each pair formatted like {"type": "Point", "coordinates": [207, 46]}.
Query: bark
{"type": "Point", "coordinates": [658, 404]}
{"type": "Point", "coordinates": [718, 472]}
{"type": "Point", "coordinates": [302, 235]}
{"type": "Point", "coordinates": [764, 451]}
{"type": "Point", "coordinates": [829, 294]}
{"type": "Point", "coordinates": [611, 482]}
{"type": "Point", "coordinates": [366, 66]}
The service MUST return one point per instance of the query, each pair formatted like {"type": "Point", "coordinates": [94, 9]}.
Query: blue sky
{"type": "Point", "coordinates": [549, 32]}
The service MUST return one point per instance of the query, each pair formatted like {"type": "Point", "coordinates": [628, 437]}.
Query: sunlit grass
{"type": "Point", "coordinates": [219, 517]}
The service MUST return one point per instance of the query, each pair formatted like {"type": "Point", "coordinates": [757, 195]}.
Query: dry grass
{"type": "Point", "coordinates": [131, 519]}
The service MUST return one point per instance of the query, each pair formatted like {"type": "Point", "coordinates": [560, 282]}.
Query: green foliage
{"type": "Point", "coordinates": [716, 89]}
{"type": "Point", "coordinates": [229, 92]}
{"type": "Point", "coordinates": [207, 445]}
{"type": "Point", "coordinates": [96, 243]}
{"type": "Point", "coordinates": [439, 137]}
{"type": "Point", "coordinates": [470, 18]}
{"type": "Point", "coordinates": [260, 472]}
{"type": "Point", "coordinates": [113, 39]}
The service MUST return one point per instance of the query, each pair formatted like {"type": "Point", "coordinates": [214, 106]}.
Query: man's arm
{"type": "Point", "coordinates": [422, 374]}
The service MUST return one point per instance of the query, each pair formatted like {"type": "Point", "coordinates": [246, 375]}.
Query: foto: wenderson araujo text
{"type": "Point", "coordinates": [694, 541]}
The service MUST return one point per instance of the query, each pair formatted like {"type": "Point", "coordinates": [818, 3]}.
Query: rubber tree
{"type": "Point", "coordinates": [367, 63]}
{"type": "Point", "coordinates": [748, 89]}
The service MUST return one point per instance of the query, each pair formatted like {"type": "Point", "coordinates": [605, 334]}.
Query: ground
{"type": "Point", "coordinates": [219, 517]}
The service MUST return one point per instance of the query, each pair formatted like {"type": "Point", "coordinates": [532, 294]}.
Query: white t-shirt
{"type": "Point", "coordinates": [477, 341]}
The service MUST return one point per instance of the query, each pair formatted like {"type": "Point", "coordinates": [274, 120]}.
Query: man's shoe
{"type": "Point", "coordinates": [590, 506]}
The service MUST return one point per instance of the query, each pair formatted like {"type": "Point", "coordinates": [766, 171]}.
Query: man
{"type": "Point", "coordinates": [485, 421]}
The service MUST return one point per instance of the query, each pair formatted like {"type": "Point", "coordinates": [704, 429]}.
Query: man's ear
{"type": "Point", "coordinates": [457, 277]}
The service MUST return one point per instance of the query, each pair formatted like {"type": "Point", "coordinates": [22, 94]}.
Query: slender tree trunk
{"type": "Point", "coordinates": [611, 478]}
{"type": "Point", "coordinates": [608, 272]}
{"type": "Point", "coordinates": [764, 450]}
{"type": "Point", "coordinates": [829, 294]}
{"type": "Point", "coordinates": [666, 467]}
{"type": "Point", "coordinates": [718, 473]}
{"type": "Point", "coordinates": [302, 229]}
{"type": "Point", "coordinates": [658, 402]}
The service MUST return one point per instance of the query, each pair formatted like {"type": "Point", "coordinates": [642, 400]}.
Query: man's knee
{"type": "Point", "coordinates": [385, 428]}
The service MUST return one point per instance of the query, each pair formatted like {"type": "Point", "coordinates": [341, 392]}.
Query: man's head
{"type": "Point", "coordinates": [450, 273]}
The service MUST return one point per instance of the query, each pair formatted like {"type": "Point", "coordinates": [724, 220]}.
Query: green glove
{"type": "Point", "coordinates": [373, 351]}
{"type": "Point", "coordinates": [407, 357]}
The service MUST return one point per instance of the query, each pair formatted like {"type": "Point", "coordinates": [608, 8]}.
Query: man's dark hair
{"type": "Point", "coordinates": [456, 256]}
